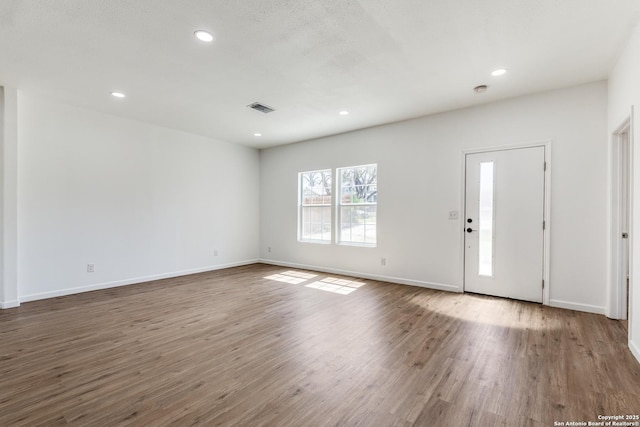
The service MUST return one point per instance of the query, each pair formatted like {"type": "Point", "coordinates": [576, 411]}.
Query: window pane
{"type": "Point", "coordinates": [304, 221]}
{"type": "Point", "coordinates": [370, 233]}
{"type": "Point", "coordinates": [346, 223]}
{"type": "Point", "coordinates": [316, 187]}
{"type": "Point", "coordinates": [319, 218]}
{"type": "Point", "coordinates": [485, 243]}
{"type": "Point", "coordinates": [371, 214]}
{"type": "Point", "coordinates": [358, 184]}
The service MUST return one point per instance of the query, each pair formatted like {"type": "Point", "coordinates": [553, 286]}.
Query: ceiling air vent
{"type": "Point", "coordinates": [261, 107]}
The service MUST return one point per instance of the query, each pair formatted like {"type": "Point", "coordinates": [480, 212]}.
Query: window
{"type": "Point", "coordinates": [485, 248]}
{"type": "Point", "coordinates": [314, 216]}
{"type": "Point", "coordinates": [357, 204]}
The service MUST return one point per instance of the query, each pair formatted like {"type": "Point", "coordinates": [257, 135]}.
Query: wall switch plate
{"type": "Point", "coordinates": [215, 252]}
{"type": "Point", "coordinates": [453, 214]}
{"type": "Point", "coordinates": [383, 261]}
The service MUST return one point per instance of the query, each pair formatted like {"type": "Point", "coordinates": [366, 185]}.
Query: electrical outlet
{"type": "Point", "coordinates": [215, 252]}
{"type": "Point", "coordinates": [269, 249]}
{"type": "Point", "coordinates": [453, 214]}
{"type": "Point", "coordinates": [383, 261]}
{"type": "Point", "coordinates": [91, 268]}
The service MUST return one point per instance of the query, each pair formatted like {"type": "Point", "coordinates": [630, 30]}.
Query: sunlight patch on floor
{"type": "Point", "coordinates": [294, 277]}
{"type": "Point", "coordinates": [490, 310]}
{"type": "Point", "coordinates": [328, 284]}
{"type": "Point", "coordinates": [335, 285]}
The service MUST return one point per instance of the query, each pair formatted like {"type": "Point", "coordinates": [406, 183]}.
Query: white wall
{"type": "Point", "coordinates": [2, 139]}
{"type": "Point", "coordinates": [624, 92]}
{"type": "Point", "coordinates": [139, 201]}
{"type": "Point", "coordinates": [8, 197]}
{"type": "Point", "coordinates": [420, 180]}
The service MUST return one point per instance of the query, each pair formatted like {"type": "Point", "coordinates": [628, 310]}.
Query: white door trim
{"type": "Point", "coordinates": [617, 293]}
{"type": "Point", "coordinates": [547, 205]}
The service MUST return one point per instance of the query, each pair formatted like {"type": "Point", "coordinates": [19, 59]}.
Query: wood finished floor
{"type": "Point", "coordinates": [235, 348]}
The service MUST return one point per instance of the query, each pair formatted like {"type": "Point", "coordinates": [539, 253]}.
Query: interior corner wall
{"type": "Point", "coordinates": [624, 93]}
{"type": "Point", "coordinates": [420, 169]}
{"type": "Point", "coordinates": [138, 201]}
{"type": "Point", "coordinates": [2, 138]}
{"type": "Point", "coordinates": [8, 198]}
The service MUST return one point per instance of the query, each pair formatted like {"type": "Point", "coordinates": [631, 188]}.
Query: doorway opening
{"type": "Point", "coordinates": [621, 231]}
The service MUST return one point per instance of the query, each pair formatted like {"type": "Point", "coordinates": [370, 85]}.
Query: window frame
{"type": "Point", "coordinates": [340, 204]}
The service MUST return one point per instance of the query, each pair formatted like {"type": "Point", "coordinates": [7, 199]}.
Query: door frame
{"type": "Point", "coordinates": [546, 144]}
{"type": "Point", "coordinates": [617, 297]}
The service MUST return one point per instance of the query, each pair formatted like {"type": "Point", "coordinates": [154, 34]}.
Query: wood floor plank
{"type": "Point", "coordinates": [255, 346]}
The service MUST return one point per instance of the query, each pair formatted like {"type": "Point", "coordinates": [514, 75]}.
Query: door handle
{"type": "Point", "coordinates": [469, 230]}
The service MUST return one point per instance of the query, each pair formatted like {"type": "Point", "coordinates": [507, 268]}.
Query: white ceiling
{"type": "Point", "coordinates": [382, 60]}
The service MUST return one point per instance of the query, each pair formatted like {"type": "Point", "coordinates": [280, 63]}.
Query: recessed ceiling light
{"type": "Point", "coordinates": [118, 94]}
{"type": "Point", "coordinates": [257, 134]}
{"type": "Point", "coordinates": [203, 35]}
{"type": "Point", "coordinates": [498, 72]}
{"type": "Point", "coordinates": [344, 113]}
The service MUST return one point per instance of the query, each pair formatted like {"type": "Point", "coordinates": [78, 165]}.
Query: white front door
{"type": "Point", "coordinates": [504, 214]}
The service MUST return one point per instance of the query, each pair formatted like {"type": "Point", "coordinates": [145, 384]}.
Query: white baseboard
{"type": "Point", "coordinates": [439, 286]}
{"type": "Point", "coordinates": [9, 304]}
{"type": "Point", "coordinates": [577, 307]}
{"type": "Point", "coordinates": [399, 280]}
{"type": "Point", "coordinates": [132, 281]}
{"type": "Point", "coordinates": [635, 350]}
